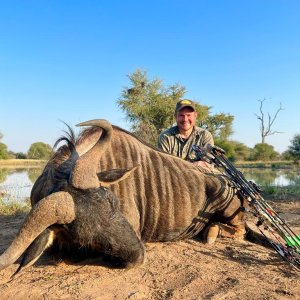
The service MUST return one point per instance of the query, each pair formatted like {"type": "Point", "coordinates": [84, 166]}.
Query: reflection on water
{"type": "Point", "coordinates": [3, 174]}
{"type": "Point", "coordinates": [16, 184]}
{"type": "Point", "coordinates": [266, 177]}
{"type": "Point", "coordinates": [34, 173]}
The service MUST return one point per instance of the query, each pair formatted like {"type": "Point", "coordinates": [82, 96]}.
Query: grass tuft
{"type": "Point", "coordinates": [13, 207]}
{"type": "Point", "coordinates": [290, 192]}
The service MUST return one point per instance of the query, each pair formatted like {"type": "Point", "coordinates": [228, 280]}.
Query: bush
{"type": "Point", "coordinates": [14, 207]}
{"type": "Point", "coordinates": [21, 155]}
{"type": "Point", "coordinates": [263, 152]}
{"type": "Point", "coordinates": [3, 151]}
{"type": "Point", "coordinates": [228, 147]}
{"type": "Point", "coordinates": [39, 150]}
{"type": "Point", "coordinates": [287, 155]}
{"type": "Point", "coordinates": [294, 149]}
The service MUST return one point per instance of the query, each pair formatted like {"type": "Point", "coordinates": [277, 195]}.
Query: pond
{"type": "Point", "coordinates": [16, 184]}
{"type": "Point", "coordinates": [272, 177]}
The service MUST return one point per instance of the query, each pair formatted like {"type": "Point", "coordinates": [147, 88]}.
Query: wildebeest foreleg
{"type": "Point", "coordinates": [234, 226]}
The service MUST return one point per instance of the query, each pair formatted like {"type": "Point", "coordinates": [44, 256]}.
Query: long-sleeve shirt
{"type": "Point", "coordinates": [171, 142]}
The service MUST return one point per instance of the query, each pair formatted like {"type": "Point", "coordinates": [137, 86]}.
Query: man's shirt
{"type": "Point", "coordinates": [171, 142]}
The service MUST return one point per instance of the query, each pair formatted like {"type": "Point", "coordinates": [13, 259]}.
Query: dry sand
{"type": "Point", "coordinates": [229, 269]}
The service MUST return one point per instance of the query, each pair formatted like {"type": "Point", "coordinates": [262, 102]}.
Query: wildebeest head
{"type": "Point", "coordinates": [76, 182]}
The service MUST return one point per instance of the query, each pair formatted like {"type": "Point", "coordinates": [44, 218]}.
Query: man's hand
{"type": "Point", "coordinates": [201, 163]}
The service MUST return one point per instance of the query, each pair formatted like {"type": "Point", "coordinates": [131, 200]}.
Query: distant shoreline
{"type": "Point", "coordinates": [22, 163]}
{"type": "Point", "coordinates": [266, 164]}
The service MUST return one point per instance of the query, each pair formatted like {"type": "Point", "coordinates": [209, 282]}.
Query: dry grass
{"type": "Point", "coordinates": [13, 207]}
{"type": "Point", "coordinates": [22, 163]}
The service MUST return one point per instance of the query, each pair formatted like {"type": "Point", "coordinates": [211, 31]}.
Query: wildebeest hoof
{"type": "Point", "coordinates": [233, 232]}
{"type": "Point", "coordinates": [212, 233]}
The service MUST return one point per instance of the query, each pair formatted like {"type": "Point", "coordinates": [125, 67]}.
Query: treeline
{"type": "Point", "coordinates": [149, 107]}
{"type": "Point", "coordinates": [235, 151]}
{"type": "Point", "coordinates": [38, 150]}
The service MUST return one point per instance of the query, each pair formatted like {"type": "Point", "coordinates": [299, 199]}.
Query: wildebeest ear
{"type": "Point", "coordinates": [112, 176]}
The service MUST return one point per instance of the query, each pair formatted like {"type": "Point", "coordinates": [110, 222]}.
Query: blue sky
{"type": "Point", "coordinates": [68, 60]}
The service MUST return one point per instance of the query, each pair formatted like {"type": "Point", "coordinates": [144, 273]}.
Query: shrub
{"type": "Point", "coordinates": [39, 150]}
{"type": "Point", "coordinates": [3, 151]}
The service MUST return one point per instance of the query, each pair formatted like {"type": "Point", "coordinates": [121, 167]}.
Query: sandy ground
{"type": "Point", "coordinates": [180, 270]}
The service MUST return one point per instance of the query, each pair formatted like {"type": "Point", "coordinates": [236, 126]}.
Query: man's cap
{"type": "Point", "coordinates": [185, 103]}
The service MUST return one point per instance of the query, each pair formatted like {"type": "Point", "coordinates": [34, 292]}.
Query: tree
{"type": "Point", "coordinates": [242, 152]}
{"type": "Point", "coordinates": [264, 152]}
{"type": "Point", "coordinates": [287, 155]}
{"type": "Point", "coordinates": [149, 107]}
{"type": "Point", "coordinates": [266, 129]}
{"type": "Point", "coordinates": [220, 125]}
{"type": "Point", "coordinates": [3, 151]}
{"type": "Point", "coordinates": [39, 150]}
{"type": "Point", "coordinates": [294, 148]}
{"type": "Point", "coordinates": [227, 147]}
{"type": "Point", "coordinates": [234, 150]}
{"type": "Point", "coordinates": [1, 136]}
{"type": "Point", "coordinates": [20, 155]}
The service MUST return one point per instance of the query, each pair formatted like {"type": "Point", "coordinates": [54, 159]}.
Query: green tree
{"type": "Point", "coordinates": [39, 150]}
{"type": "Point", "coordinates": [3, 151]}
{"type": "Point", "coordinates": [149, 107]}
{"type": "Point", "coordinates": [233, 150]}
{"type": "Point", "coordinates": [294, 148]}
{"type": "Point", "coordinates": [227, 147]}
{"type": "Point", "coordinates": [264, 152]}
{"type": "Point", "coordinates": [287, 155]}
{"type": "Point", "coordinates": [242, 152]}
{"type": "Point", "coordinates": [21, 155]}
{"type": "Point", "coordinates": [220, 125]}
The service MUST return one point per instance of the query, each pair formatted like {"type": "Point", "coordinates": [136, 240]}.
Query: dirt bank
{"type": "Point", "coordinates": [180, 270]}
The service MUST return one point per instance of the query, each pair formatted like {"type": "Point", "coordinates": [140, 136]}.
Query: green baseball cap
{"type": "Point", "coordinates": [185, 103]}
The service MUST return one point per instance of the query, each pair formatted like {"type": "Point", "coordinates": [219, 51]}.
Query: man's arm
{"type": "Point", "coordinates": [163, 143]}
{"type": "Point", "coordinates": [207, 139]}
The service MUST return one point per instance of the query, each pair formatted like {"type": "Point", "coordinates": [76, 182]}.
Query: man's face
{"type": "Point", "coordinates": [186, 119]}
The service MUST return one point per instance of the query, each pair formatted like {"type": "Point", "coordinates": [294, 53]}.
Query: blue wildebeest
{"type": "Point", "coordinates": [163, 198]}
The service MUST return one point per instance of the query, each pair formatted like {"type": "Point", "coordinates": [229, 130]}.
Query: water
{"type": "Point", "coordinates": [16, 184]}
{"type": "Point", "coordinates": [272, 177]}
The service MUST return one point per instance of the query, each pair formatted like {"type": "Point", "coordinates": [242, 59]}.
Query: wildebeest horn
{"type": "Point", "coordinates": [84, 175]}
{"type": "Point", "coordinates": [57, 208]}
